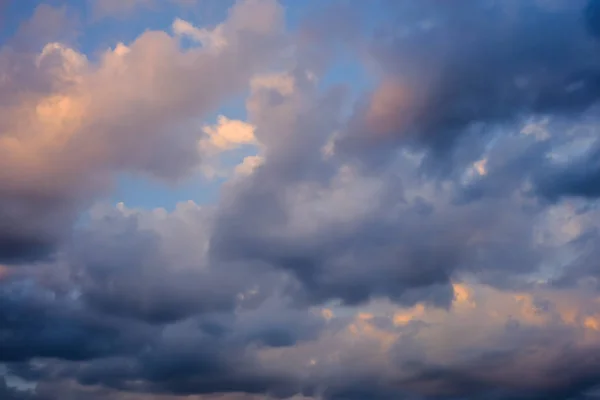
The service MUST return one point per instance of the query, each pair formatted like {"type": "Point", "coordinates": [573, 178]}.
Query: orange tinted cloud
{"type": "Point", "coordinates": [390, 108]}
{"type": "Point", "coordinates": [71, 124]}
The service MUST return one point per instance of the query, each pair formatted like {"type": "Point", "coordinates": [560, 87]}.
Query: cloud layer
{"type": "Point", "coordinates": [431, 236]}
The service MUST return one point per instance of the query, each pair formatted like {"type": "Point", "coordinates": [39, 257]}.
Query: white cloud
{"type": "Point", "coordinates": [228, 134]}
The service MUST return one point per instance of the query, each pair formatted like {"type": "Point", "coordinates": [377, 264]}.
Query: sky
{"type": "Point", "coordinates": [299, 199]}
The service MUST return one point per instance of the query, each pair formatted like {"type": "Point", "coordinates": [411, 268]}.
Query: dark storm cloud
{"type": "Point", "coordinates": [36, 324]}
{"type": "Point", "coordinates": [483, 379]}
{"type": "Point", "coordinates": [10, 393]}
{"type": "Point", "coordinates": [16, 249]}
{"type": "Point", "coordinates": [31, 226]}
{"type": "Point", "coordinates": [449, 66]}
{"type": "Point", "coordinates": [186, 361]}
{"type": "Point", "coordinates": [204, 354]}
{"type": "Point", "coordinates": [578, 178]}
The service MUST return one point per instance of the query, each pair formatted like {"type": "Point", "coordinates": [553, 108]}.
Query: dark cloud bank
{"type": "Point", "coordinates": [431, 181]}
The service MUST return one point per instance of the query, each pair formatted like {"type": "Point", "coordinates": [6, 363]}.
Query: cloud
{"type": "Point", "coordinates": [70, 124]}
{"type": "Point", "coordinates": [10, 393]}
{"type": "Point", "coordinates": [577, 177]}
{"type": "Point", "coordinates": [36, 324]}
{"type": "Point", "coordinates": [445, 69]}
{"type": "Point", "coordinates": [146, 308]}
{"type": "Point", "coordinates": [480, 347]}
{"type": "Point", "coordinates": [351, 237]}
{"type": "Point", "coordinates": [248, 165]}
{"type": "Point", "coordinates": [141, 329]}
{"type": "Point", "coordinates": [46, 24]}
{"type": "Point", "coordinates": [141, 275]}
{"type": "Point", "coordinates": [209, 38]}
{"type": "Point", "coordinates": [227, 134]}
{"type": "Point", "coordinates": [434, 239]}
{"type": "Point", "coordinates": [223, 140]}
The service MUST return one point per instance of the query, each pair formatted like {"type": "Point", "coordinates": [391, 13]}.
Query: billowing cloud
{"type": "Point", "coordinates": [70, 124]}
{"type": "Point", "coordinates": [450, 70]}
{"type": "Point", "coordinates": [481, 347]}
{"type": "Point", "coordinates": [431, 236]}
{"type": "Point", "coordinates": [348, 236]}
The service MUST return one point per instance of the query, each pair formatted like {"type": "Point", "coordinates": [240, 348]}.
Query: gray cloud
{"type": "Point", "coordinates": [446, 69]}
{"type": "Point", "coordinates": [37, 324]}
{"type": "Point", "coordinates": [578, 178]}
{"type": "Point", "coordinates": [312, 277]}
{"type": "Point", "coordinates": [351, 237]}
{"type": "Point", "coordinates": [133, 276]}
{"type": "Point", "coordinates": [10, 393]}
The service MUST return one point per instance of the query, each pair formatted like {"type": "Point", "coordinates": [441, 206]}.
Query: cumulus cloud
{"type": "Point", "coordinates": [132, 312]}
{"type": "Point", "coordinates": [348, 236]}
{"type": "Point", "coordinates": [434, 239]}
{"type": "Point", "coordinates": [69, 124]}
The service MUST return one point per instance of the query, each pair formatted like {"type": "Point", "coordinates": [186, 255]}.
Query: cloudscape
{"type": "Point", "coordinates": [300, 199]}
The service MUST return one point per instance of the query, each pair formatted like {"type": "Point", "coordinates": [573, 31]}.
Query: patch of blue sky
{"type": "Point", "coordinates": [103, 33]}
{"type": "Point", "coordinates": [140, 192]}
{"type": "Point", "coordinates": [14, 13]}
{"type": "Point", "coordinates": [99, 34]}
{"type": "Point", "coordinates": [352, 74]}
{"type": "Point", "coordinates": [144, 193]}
